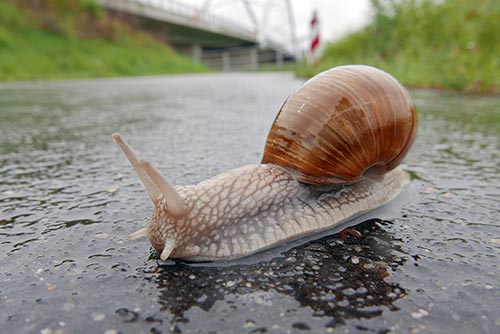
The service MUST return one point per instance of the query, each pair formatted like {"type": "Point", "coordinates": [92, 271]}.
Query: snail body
{"type": "Point", "coordinates": [331, 155]}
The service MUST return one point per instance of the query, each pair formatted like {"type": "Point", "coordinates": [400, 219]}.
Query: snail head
{"type": "Point", "coordinates": [169, 205]}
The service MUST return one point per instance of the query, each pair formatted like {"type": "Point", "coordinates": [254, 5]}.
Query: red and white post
{"type": "Point", "coordinates": [314, 50]}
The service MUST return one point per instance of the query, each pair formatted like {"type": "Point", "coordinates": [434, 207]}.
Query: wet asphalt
{"type": "Point", "coordinates": [427, 263]}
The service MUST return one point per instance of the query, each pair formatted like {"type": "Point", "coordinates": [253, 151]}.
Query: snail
{"type": "Point", "coordinates": [332, 154]}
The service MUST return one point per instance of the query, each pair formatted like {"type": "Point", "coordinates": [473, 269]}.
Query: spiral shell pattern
{"type": "Point", "coordinates": [343, 124]}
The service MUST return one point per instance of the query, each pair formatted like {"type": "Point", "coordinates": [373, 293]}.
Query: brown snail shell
{"type": "Point", "coordinates": [342, 124]}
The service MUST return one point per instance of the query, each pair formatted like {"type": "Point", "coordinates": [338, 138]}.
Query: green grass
{"type": "Point", "coordinates": [450, 44]}
{"type": "Point", "coordinates": [77, 42]}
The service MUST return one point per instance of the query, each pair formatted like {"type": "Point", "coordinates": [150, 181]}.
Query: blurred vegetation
{"type": "Point", "coordinates": [43, 39]}
{"type": "Point", "coordinates": [438, 44]}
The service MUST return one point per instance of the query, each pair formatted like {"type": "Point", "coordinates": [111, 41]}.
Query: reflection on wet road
{"type": "Point", "coordinates": [68, 199]}
{"type": "Point", "coordinates": [333, 277]}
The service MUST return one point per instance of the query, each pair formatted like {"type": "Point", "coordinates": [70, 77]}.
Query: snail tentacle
{"type": "Point", "coordinates": [152, 190]}
{"type": "Point", "coordinates": [155, 184]}
{"type": "Point", "coordinates": [143, 232]}
{"type": "Point", "coordinates": [167, 249]}
{"type": "Point", "coordinates": [175, 203]}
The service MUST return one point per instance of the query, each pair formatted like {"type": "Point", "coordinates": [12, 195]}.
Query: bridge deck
{"type": "Point", "coordinates": [185, 25]}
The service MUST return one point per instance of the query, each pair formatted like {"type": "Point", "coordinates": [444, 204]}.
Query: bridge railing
{"type": "Point", "coordinates": [203, 18]}
{"type": "Point", "coordinates": [243, 58]}
{"type": "Point", "coordinates": [184, 13]}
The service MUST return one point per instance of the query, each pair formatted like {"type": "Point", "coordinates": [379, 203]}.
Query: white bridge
{"type": "Point", "coordinates": [262, 33]}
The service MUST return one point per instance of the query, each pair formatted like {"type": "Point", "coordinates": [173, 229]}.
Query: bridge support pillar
{"type": "Point", "coordinates": [226, 65]}
{"type": "Point", "coordinates": [196, 52]}
{"type": "Point", "coordinates": [254, 58]}
{"type": "Point", "coordinates": [279, 58]}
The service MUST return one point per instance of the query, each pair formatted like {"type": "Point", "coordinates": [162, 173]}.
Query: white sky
{"type": "Point", "coordinates": [336, 17]}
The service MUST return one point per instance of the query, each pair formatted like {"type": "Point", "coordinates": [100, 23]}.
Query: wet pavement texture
{"type": "Point", "coordinates": [68, 199]}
